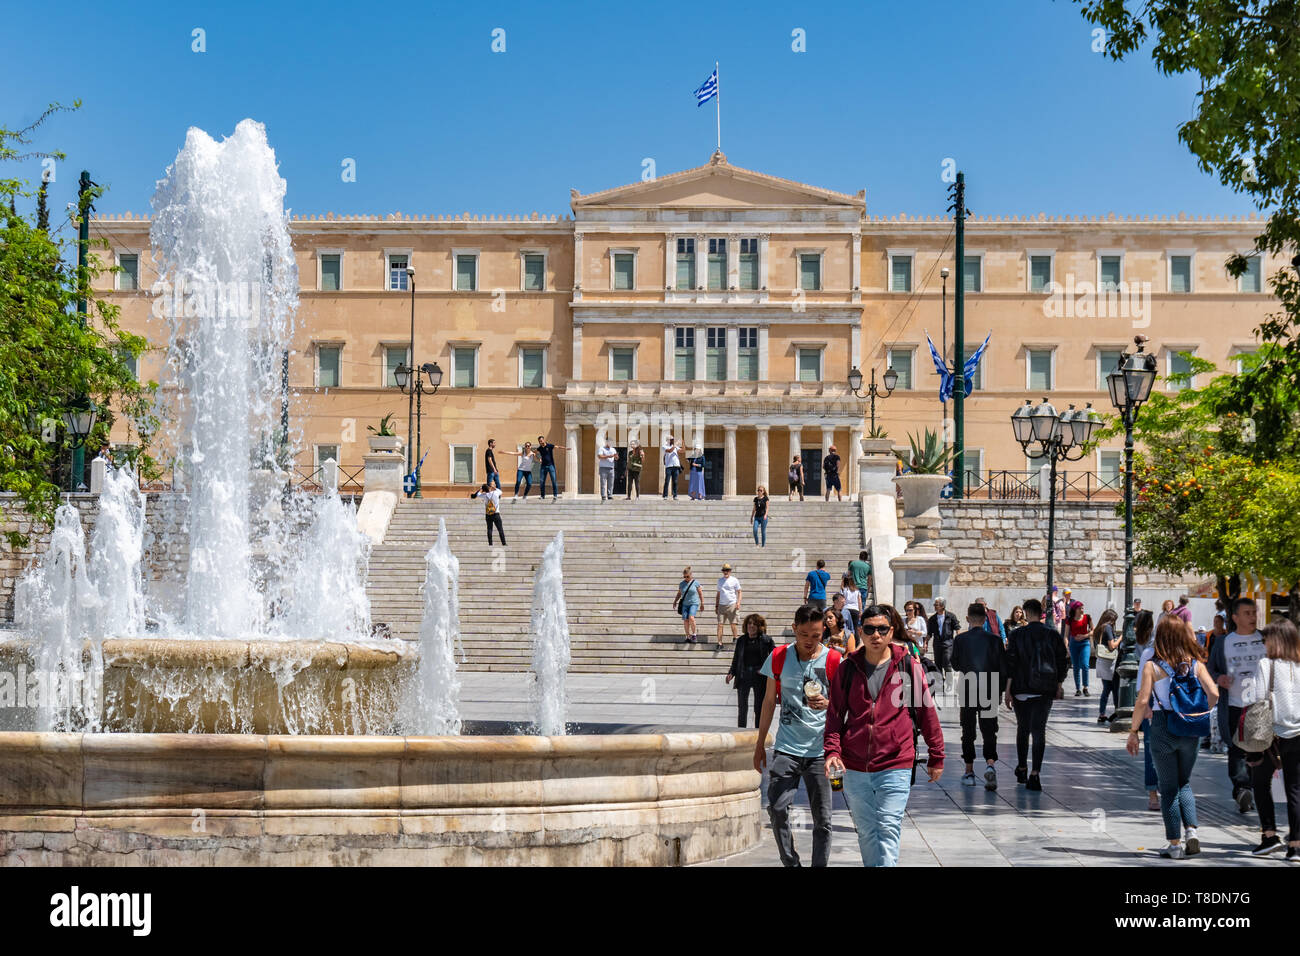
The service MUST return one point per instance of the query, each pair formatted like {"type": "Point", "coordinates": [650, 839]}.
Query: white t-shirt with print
{"type": "Point", "coordinates": [728, 589]}
{"type": "Point", "coordinates": [608, 463]}
{"type": "Point", "coordinates": [1242, 653]}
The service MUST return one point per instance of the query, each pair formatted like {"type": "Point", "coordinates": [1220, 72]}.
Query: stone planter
{"type": "Point", "coordinates": [921, 494]}
{"type": "Point", "coordinates": [385, 444]}
{"type": "Point", "coordinates": [878, 446]}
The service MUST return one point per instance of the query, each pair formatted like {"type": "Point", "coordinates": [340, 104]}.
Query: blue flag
{"type": "Point", "coordinates": [708, 91]}
{"type": "Point", "coordinates": [946, 378]}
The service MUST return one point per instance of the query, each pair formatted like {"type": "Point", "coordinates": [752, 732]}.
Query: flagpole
{"type": "Point", "coordinates": [718, 103]}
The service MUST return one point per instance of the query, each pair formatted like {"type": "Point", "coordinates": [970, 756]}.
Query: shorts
{"type": "Point", "coordinates": [690, 610]}
{"type": "Point", "coordinates": [727, 613]}
{"type": "Point", "coordinates": [833, 481]}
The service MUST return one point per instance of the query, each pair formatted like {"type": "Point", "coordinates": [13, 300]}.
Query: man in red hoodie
{"type": "Point", "coordinates": [878, 702]}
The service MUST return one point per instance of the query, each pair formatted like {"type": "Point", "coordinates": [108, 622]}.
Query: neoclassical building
{"type": "Point", "coordinates": [726, 307]}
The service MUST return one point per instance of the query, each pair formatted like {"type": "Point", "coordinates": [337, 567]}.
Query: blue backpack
{"type": "Point", "coordinates": [1189, 713]}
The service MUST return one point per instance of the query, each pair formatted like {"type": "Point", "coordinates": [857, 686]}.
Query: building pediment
{"type": "Point", "coordinates": [717, 185]}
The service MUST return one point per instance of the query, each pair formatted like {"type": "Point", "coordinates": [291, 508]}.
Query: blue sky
{"type": "Point", "coordinates": [438, 123]}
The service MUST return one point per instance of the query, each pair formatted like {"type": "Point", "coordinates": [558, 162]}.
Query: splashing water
{"type": "Point", "coordinates": [432, 704]}
{"type": "Point", "coordinates": [324, 592]}
{"type": "Point", "coordinates": [550, 630]}
{"type": "Point", "coordinates": [116, 553]}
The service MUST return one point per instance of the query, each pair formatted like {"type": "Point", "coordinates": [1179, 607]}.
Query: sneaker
{"type": "Point", "coordinates": [1085, 693]}
{"type": "Point", "coordinates": [1153, 800]}
{"type": "Point", "coordinates": [968, 780]}
{"type": "Point", "coordinates": [1268, 845]}
{"type": "Point", "coordinates": [1020, 774]}
{"type": "Point", "coordinates": [1078, 693]}
{"type": "Point", "coordinates": [1245, 801]}
{"type": "Point", "coordinates": [1173, 851]}
{"type": "Point", "coordinates": [1033, 783]}
{"type": "Point", "coordinates": [1191, 844]}
{"type": "Point", "coordinates": [1103, 719]}
{"type": "Point", "coordinates": [990, 778]}
{"type": "Point", "coordinates": [1293, 854]}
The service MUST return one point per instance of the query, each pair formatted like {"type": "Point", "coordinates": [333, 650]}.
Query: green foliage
{"type": "Point", "coordinates": [878, 433]}
{"type": "Point", "coordinates": [48, 357]}
{"type": "Point", "coordinates": [385, 429]}
{"type": "Point", "coordinates": [928, 456]}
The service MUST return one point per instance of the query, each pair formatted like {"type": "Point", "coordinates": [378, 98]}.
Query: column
{"type": "Point", "coordinates": [670, 363]}
{"type": "Point", "coordinates": [850, 469]}
{"type": "Point", "coordinates": [762, 353]}
{"type": "Point", "coordinates": [729, 461]}
{"type": "Point", "coordinates": [828, 439]}
{"type": "Point", "coordinates": [572, 434]}
{"type": "Point", "coordinates": [855, 346]}
{"type": "Point", "coordinates": [855, 258]}
{"type": "Point", "coordinates": [795, 447]}
{"type": "Point", "coordinates": [701, 262]}
{"type": "Point", "coordinates": [577, 270]}
{"type": "Point", "coordinates": [733, 347]}
{"type": "Point", "coordinates": [577, 353]}
{"type": "Point", "coordinates": [763, 282]}
{"type": "Point", "coordinates": [595, 460]}
{"type": "Point", "coordinates": [701, 352]}
{"type": "Point", "coordinates": [670, 260]}
{"type": "Point", "coordinates": [762, 466]}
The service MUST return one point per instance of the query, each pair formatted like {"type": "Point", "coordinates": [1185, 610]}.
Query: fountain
{"type": "Point", "coordinates": [550, 630]}
{"type": "Point", "coordinates": [433, 705]}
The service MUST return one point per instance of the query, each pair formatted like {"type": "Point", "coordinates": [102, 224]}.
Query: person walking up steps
{"type": "Point", "coordinates": [879, 702]}
{"type": "Point", "coordinates": [1168, 686]}
{"type": "Point", "coordinates": [1036, 669]}
{"type": "Point", "coordinates": [978, 658]}
{"type": "Point", "coordinates": [608, 456]}
{"type": "Point", "coordinates": [1233, 668]}
{"type": "Point", "coordinates": [491, 496]}
{"type": "Point", "coordinates": [853, 602]}
{"type": "Point", "coordinates": [751, 651]}
{"type": "Point", "coordinates": [814, 586]}
{"type": "Point", "coordinates": [688, 601]}
{"type": "Point", "coordinates": [798, 677]}
{"type": "Point", "coordinates": [635, 462]}
{"type": "Point", "coordinates": [758, 517]}
{"type": "Point", "coordinates": [1277, 680]}
{"type": "Point", "coordinates": [831, 474]}
{"type": "Point", "coordinates": [796, 478]}
{"type": "Point", "coordinates": [861, 572]}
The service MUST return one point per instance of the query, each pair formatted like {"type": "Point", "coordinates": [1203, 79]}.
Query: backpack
{"type": "Point", "coordinates": [1254, 731]}
{"type": "Point", "coordinates": [1042, 666]}
{"type": "Point", "coordinates": [1189, 706]}
{"type": "Point", "coordinates": [908, 671]}
{"type": "Point", "coordinates": [778, 664]}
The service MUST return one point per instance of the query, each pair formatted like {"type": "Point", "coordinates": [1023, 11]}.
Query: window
{"type": "Point", "coordinates": [1251, 280]}
{"type": "Point", "coordinates": [686, 264]}
{"type": "Point", "coordinates": [900, 360]}
{"type": "Point", "coordinates": [717, 264]}
{"type": "Point", "coordinates": [749, 263]}
{"type": "Point", "coordinates": [1245, 360]}
{"type": "Point", "coordinates": [331, 272]}
{"type": "Point", "coordinates": [624, 270]}
{"type": "Point", "coordinates": [397, 272]}
{"type": "Point", "coordinates": [715, 357]}
{"type": "Point", "coordinates": [977, 377]}
{"type": "Point", "coordinates": [463, 362]}
{"type": "Point", "coordinates": [1108, 466]}
{"type": "Point", "coordinates": [1179, 364]}
{"type": "Point", "coordinates": [973, 273]}
{"type": "Point", "coordinates": [1040, 273]}
{"type": "Point", "coordinates": [900, 273]}
{"type": "Point", "coordinates": [1180, 273]}
{"type": "Point", "coordinates": [128, 280]}
{"type": "Point", "coordinates": [810, 365]}
{"type": "Point", "coordinates": [1107, 361]}
{"type": "Point", "coordinates": [622, 364]}
{"type": "Point", "coordinates": [532, 368]}
{"type": "Point", "coordinates": [684, 354]}
{"type": "Point", "coordinates": [126, 358]}
{"type": "Point", "coordinates": [466, 272]}
{"type": "Point", "coordinates": [534, 272]}
{"type": "Point", "coordinates": [1039, 362]}
{"type": "Point", "coordinates": [747, 354]}
{"type": "Point", "coordinates": [810, 271]}
{"type": "Point", "coordinates": [326, 453]}
{"type": "Point", "coordinates": [973, 466]}
{"type": "Point", "coordinates": [462, 464]}
{"type": "Point", "coordinates": [393, 357]}
{"type": "Point", "coordinates": [327, 365]}
{"type": "Point", "coordinates": [1110, 272]}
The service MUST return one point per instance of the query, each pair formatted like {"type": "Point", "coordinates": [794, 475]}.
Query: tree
{"type": "Point", "coordinates": [48, 357]}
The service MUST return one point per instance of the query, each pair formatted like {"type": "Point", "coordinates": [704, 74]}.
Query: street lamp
{"type": "Point", "coordinates": [410, 356]}
{"type": "Point", "coordinates": [1129, 385]}
{"type": "Point", "coordinates": [855, 386]}
{"type": "Point", "coordinates": [79, 421]}
{"type": "Point", "coordinates": [1060, 436]}
{"type": "Point", "coordinates": [411, 381]}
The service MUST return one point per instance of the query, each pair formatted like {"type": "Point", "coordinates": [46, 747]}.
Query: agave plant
{"type": "Point", "coordinates": [927, 457]}
{"type": "Point", "coordinates": [877, 432]}
{"type": "Point", "coordinates": [385, 429]}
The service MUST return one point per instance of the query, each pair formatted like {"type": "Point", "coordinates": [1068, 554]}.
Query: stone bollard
{"type": "Point", "coordinates": [98, 472]}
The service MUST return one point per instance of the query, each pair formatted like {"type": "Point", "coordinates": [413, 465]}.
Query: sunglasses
{"type": "Point", "coordinates": [869, 629]}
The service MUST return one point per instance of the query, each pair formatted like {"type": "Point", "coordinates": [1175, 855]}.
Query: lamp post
{"type": "Point", "coordinates": [411, 381]}
{"type": "Point", "coordinates": [79, 419]}
{"type": "Point", "coordinates": [410, 357]}
{"type": "Point", "coordinates": [1060, 436]}
{"type": "Point", "coordinates": [1129, 385]}
{"type": "Point", "coordinates": [855, 385]}
{"type": "Point", "coordinates": [943, 299]}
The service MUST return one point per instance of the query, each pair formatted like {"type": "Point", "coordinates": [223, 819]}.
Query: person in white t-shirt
{"type": "Point", "coordinates": [727, 603]}
{"type": "Point", "coordinates": [1233, 661]}
{"type": "Point", "coordinates": [672, 466]}
{"type": "Point", "coordinates": [608, 455]}
{"type": "Point", "coordinates": [491, 496]}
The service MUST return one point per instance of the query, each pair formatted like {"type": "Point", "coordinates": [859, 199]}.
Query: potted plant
{"type": "Point", "coordinates": [877, 442]}
{"type": "Point", "coordinates": [926, 476]}
{"type": "Point", "coordinates": [384, 438]}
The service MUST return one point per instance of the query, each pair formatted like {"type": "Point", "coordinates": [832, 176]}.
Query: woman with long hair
{"type": "Point", "coordinates": [834, 634]}
{"type": "Point", "coordinates": [1277, 675]}
{"type": "Point", "coordinates": [758, 516]}
{"type": "Point", "coordinates": [1174, 652]}
{"type": "Point", "coordinates": [915, 622]}
{"type": "Point", "coordinates": [852, 603]}
{"type": "Point", "coordinates": [1017, 618]}
{"type": "Point", "coordinates": [747, 659]}
{"type": "Point", "coordinates": [1107, 643]}
{"type": "Point", "coordinates": [1079, 628]}
{"type": "Point", "coordinates": [1144, 627]}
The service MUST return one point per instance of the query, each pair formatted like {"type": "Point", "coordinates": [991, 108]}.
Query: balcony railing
{"type": "Point", "coordinates": [1030, 486]}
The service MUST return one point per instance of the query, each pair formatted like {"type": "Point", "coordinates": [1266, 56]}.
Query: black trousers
{"type": "Point", "coordinates": [988, 727]}
{"type": "Point", "coordinates": [1288, 748]}
{"type": "Point", "coordinates": [634, 481]}
{"type": "Point", "coordinates": [742, 697]}
{"type": "Point", "coordinates": [1031, 719]}
{"type": "Point", "coordinates": [495, 520]}
{"type": "Point", "coordinates": [1238, 772]}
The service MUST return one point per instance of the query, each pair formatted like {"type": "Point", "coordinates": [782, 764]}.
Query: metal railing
{"type": "Point", "coordinates": [1028, 485]}
{"type": "Point", "coordinates": [351, 480]}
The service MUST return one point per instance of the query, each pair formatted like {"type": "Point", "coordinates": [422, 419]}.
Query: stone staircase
{"type": "Point", "coordinates": [622, 563]}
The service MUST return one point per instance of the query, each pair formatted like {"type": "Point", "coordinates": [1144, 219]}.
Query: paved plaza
{"type": "Point", "coordinates": [1091, 812]}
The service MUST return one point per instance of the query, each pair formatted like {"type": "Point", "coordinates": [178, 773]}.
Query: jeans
{"type": "Point", "coordinates": [1080, 651]}
{"type": "Point", "coordinates": [494, 477]}
{"type": "Point", "coordinates": [1238, 772]}
{"type": "Point", "coordinates": [606, 483]}
{"type": "Point", "coordinates": [1148, 765]}
{"type": "Point", "coordinates": [555, 487]}
{"type": "Point", "coordinates": [495, 520]}
{"type": "Point", "coordinates": [742, 698]}
{"type": "Point", "coordinates": [634, 482]}
{"type": "Point", "coordinates": [760, 523]}
{"type": "Point", "coordinates": [1031, 718]}
{"type": "Point", "coordinates": [670, 479]}
{"type": "Point", "coordinates": [527, 478]}
{"type": "Point", "coordinates": [1107, 688]}
{"type": "Point", "coordinates": [784, 775]}
{"type": "Point", "coordinates": [988, 727]}
{"type": "Point", "coordinates": [852, 624]}
{"type": "Point", "coordinates": [877, 802]}
{"type": "Point", "coordinates": [1288, 748]}
{"type": "Point", "coordinates": [1174, 758]}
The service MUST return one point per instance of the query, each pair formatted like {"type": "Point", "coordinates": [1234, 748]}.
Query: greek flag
{"type": "Point", "coordinates": [946, 378]}
{"type": "Point", "coordinates": [708, 91]}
